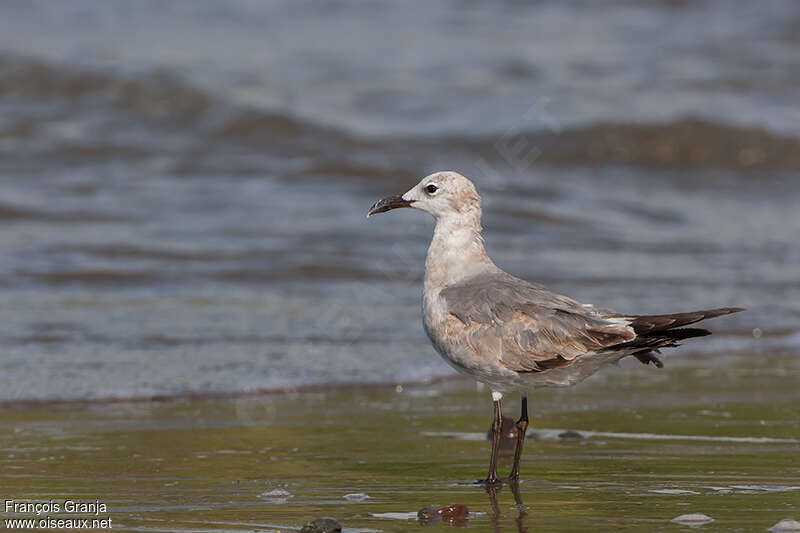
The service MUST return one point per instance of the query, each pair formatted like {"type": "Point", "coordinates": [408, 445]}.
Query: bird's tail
{"type": "Point", "coordinates": [663, 331]}
{"type": "Point", "coordinates": [651, 324]}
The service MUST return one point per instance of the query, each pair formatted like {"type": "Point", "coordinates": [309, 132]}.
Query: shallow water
{"type": "Point", "coordinates": [183, 187]}
{"type": "Point", "coordinates": [182, 198]}
{"type": "Point", "coordinates": [272, 462]}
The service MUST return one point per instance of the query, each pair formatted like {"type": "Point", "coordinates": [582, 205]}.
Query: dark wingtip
{"type": "Point", "coordinates": [685, 333]}
{"type": "Point", "coordinates": [651, 324]}
{"type": "Point", "coordinates": [714, 313]}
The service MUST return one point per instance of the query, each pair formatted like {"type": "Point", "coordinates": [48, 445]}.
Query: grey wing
{"type": "Point", "coordinates": [533, 329]}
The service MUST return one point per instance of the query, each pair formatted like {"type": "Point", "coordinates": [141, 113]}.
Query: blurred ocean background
{"type": "Point", "coordinates": [183, 185]}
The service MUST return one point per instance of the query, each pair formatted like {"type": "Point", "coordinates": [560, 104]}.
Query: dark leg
{"type": "Point", "coordinates": [514, 484]}
{"type": "Point", "coordinates": [491, 490]}
{"type": "Point", "coordinates": [522, 426]}
{"type": "Point", "coordinates": [497, 426]}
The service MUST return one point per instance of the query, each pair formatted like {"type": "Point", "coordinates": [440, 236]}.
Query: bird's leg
{"type": "Point", "coordinates": [522, 426]}
{"type": "Point", "coordinates": [492, 490]}
{"type": "Point", "coordinates": [514, 484]}
{"type": "Point", "coordinates": [497, 426]}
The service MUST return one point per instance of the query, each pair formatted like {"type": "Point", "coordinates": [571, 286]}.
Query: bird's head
{"type": "Point", "coordinates": [442, 194]}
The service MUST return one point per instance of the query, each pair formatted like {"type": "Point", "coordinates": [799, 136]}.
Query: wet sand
{"type": "Point", "coordinates": [274, 461]}
{"type": "Point", "coordinates": [182, 222]}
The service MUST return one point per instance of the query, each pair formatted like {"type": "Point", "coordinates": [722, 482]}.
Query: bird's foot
{"type": "Point", "coordinates": [489, 482]}
{"type": "Point", "coordinates": [498, 481]}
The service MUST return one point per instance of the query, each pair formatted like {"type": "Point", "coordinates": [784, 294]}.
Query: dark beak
{"type": "Point", "coordinates": [392, 202]}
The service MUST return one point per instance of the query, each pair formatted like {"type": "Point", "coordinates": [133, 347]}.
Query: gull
{"type": "Point", "coordinates": [511, 334]}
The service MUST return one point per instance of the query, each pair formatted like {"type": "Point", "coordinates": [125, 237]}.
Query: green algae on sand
{"type": "Point", "coordinates": [275, 461]}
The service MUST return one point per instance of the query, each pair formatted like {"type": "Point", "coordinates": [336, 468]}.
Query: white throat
{"type": "Point", "coordinates": [456, 252]}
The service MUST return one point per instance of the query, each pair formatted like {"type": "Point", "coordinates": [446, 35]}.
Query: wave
{"type": "Point", "coordinates": [11, 213]}
{"type": "Point", "coordinates": [124, 252]}
{"type": "Point", "coordinates": [686, 142]}
{"type": "Point", "coordinates": [92, 277]}
{"type": "Point", "coordinates": [156, 95]}
{"type": "Point", "coordinates": [208, 123]}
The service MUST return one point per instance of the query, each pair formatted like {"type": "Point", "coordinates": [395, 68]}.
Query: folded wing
{"type": "Point", "coordinates": [532, 328]}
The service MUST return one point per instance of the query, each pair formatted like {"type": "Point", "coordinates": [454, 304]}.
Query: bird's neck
{"type": "Point", "coordinates": [456, 253]}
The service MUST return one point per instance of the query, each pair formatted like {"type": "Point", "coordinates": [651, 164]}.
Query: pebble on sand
{"type": "Point", "coordinates": [695, 519]}
{"type": "Point", "coordinates": [455, 514]}
{"type": "Point", "coordinates": [356, 497]}
{"type": "Point", "coordinates": [787, 524]}
{"type": "Point", "coordinates": [428, 514]}
{"type": "Point", "coordinates": [276, 495]}
{"type": "Point", "coordinates": [322, 525]}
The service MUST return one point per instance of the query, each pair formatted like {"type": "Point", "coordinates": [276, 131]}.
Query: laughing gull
{"type": "Point", "coordinates": [511, 334]}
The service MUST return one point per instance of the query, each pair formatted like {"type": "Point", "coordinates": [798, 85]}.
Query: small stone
{"type": "Point", "coordinates": [322, 525]}
{"type": "Point", "coordinates": [695, 519]}
{"type": "Point", "coordinates": [428, 515]}
{"type": "Point", "coordinates": [454, 514]}
{"type": "Point", "coordinates": [570, 435]}
{"type": "Point", "coordinates": [276, 495]}
{"type": "Point", "coordinates": [356, 497]}
{"type": "Point", "coordinates": [454, 511]}
{"type": "Point", "coordinates": [787, 524]}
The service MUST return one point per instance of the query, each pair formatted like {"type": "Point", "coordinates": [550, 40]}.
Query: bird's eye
{"type": "Point", "coordinates": [430, 189]}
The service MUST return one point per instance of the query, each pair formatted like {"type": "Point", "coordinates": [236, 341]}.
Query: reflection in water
{"type": "Point", "coordinates": [493, 490]}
